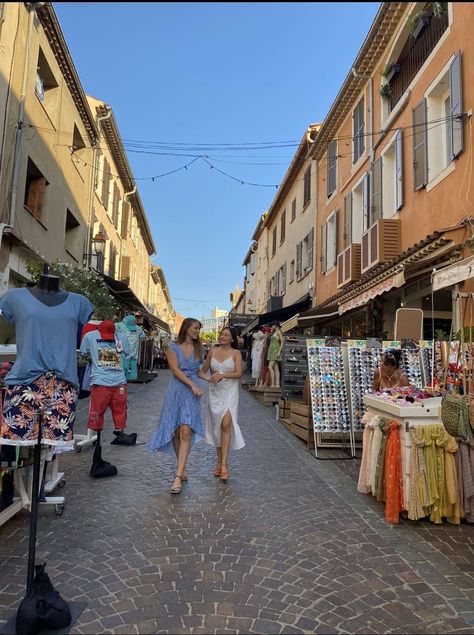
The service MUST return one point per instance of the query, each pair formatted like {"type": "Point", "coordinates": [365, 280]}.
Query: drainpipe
{"type": "Point", "coordinates": [371, 120]}
{"type": "Point", "coordinates": [21, 118]}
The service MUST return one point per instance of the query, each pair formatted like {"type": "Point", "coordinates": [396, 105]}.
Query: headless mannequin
{"type": "Point", "coordinates": [47, 290]}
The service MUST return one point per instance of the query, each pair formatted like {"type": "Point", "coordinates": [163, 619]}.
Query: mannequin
{"type": "Point", "coordinates": [108, 382]}
{"type": "Point", "coordinates": [257, 346]}
{"type": "Point", "coordinates": [274, 355]}
{"type": "Point", "coordinates": [47, 320]}
{"type": "Point", "coordinates": [134, 333]}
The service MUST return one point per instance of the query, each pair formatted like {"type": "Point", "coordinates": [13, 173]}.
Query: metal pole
{"type": "Point", "coordinates": [34, 512]}
{"type": "Point", "coordinates": [21, 118]}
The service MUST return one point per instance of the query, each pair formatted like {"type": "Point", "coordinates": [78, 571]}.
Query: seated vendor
{"type": "Point", "coordinates": [389, 375]}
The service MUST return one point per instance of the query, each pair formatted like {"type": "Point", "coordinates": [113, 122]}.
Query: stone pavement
{"type": "Point", "coordinates": [288, 545]}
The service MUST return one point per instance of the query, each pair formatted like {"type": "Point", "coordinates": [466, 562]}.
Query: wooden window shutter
{"type": "Point", "coordinates": [307, 186]}
{"type": "Point", "coordinates": [365, 201]}
{"type": "Point", "coordinates": [420, 154]}
{"type": "Point", "coordinates": [283, 281]}
{"type": "Point", "coordinates": [399, 169]}
{"type": "Point", "coordinates": [336, 215]}
{"type": "Point", "coordinates": [125, 269]}
{"type": "Point", "coordinates": [34, 199]}
{"type": "Point", "coordinates": [293, 209]}
{"type": "Point", "coordinates": [347, 235]}
{"type": "Point", "coordinates": [332, 167]}
{"type": "Point", "coordinates": [323, 256]}
{"type": "Point", "coordinates": [105, 184]}
{"type": "Point", "coordinates": [274, 240]}
{"type": "Point", "coordinates": [125, 219]}
{"type": "Point", "coordinates": [115, 210]}
{"type": "Point", "coordinates": [376, 191]}
{"type": "Point", "coordinates": [283, 226]}
{"type": "Point", "coordinates": [455, 89]}
{"type": "Point", "coordinates": [310, 249]}
{"type": "Point", "coordinates": [299, 260]}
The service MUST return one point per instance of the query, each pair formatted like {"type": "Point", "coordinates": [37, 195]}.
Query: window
{"type": "Point", "coordinates": [77, 140]}
{"type": "Point", "coordinates": [115, 205]}
{"type": "Point", "coordinates": [281, 280]}
{"type": "Point", "coordinates": [292, 272]}
{"type": "Point", "coordinates": [34, 190]}
{"type": "Point", "coordinates": [359, 212]}
{"type": "Point", "coordinates": [293, 210]}
{"type": "Point", "coordinates": [47, 88]}
{"type": "Point", "coordinates": [332, 167]}
{"type": "Point", "coordinates": [358, 118]}
{"type": "Point", "coordinates": [112, 261]}
{"type": "Point", "coordinates": [444, 142]}
{"type": "Point", "coordinates": [307, 186]}
{"type": "Point", "coordinates": [283, 227]}
{"type": "Point", "coordinates": [392, 176]}
{"type": "Point", "coordinates": [329, 243]}
{"type": "Point", "coordinates": [304, 256]}
{"type": "Point", "coordinates": [73, 236]}
{"type": "Point", "coordinates": [274, 241]}
{"type": "Point", "coordinates": [375, 192]}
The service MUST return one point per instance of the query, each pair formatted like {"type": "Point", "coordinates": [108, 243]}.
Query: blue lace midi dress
{"type": "Point", "coordinates": [180, 406]}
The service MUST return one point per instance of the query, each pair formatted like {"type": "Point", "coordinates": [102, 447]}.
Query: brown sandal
{"type": "Point", "coordinates": [224, 475]}
{"type": "Point", "coordinates": [217, 470]}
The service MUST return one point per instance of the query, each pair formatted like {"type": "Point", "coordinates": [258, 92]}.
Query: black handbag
{"type": "Point", "coordinates": [42, 608]}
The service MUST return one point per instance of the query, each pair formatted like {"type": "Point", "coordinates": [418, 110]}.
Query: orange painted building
{"type": "Point", "coordinates": [394, 177]}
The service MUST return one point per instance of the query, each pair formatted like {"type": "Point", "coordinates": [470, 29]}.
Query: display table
{"type": "Point", "coordinates": [410, 415]}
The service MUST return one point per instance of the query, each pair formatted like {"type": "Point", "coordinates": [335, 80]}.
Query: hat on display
{"type": "Point", "coordinates": [107, 330]}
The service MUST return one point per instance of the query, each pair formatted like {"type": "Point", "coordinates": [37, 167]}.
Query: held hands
{"type": "Point", "coordinates": [215, 379]}
{"type": "Point", "coordinates": [197, 392]}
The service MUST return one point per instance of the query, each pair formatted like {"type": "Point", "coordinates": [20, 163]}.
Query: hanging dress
{"type": "Point", "coordinates": [180, 405]}
{"type": "Point", "coordinates": [223, 398]}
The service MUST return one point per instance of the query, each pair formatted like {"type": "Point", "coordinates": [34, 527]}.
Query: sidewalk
{"type": "Point", "coordinates": [288, 545]}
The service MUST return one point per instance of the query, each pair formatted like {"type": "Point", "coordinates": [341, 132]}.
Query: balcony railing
{"type": "Point", "coordinates": [416, 56]}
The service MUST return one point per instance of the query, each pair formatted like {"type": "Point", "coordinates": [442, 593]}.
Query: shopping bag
{"type": "Point", "coordinates": [454, 414]}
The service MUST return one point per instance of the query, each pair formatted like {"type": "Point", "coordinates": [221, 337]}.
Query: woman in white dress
{"type": "Point", "coordinates": [222, 428]}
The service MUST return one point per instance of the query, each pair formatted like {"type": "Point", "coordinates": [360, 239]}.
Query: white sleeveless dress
{"type": "Point", "coordinates": [223, 397]}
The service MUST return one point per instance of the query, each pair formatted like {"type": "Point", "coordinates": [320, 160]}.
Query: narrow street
{"type": "Point", "coordinates": [288, 545]}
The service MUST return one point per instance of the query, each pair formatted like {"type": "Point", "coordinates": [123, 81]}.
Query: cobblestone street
{"type": "Point", "coordinates": [288, 545]}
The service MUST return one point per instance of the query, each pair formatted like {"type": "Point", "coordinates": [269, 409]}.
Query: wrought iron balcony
{"type": "Point", "coordinates": [414, 55]}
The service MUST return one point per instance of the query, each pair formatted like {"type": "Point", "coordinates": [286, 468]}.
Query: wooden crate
{"type": "Point", "coordinates": [300, 408]}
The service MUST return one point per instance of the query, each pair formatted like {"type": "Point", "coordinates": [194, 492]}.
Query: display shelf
{"type": "Point", "coordinates": [362, 361]}
{"type": "Point", "coordinates": [294, 366]}
{"type": "Point", "coordinates": [427, 408]}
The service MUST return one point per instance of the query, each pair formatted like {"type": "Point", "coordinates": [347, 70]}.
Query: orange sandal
{"type": "Point", "coordinates": [217, 470]}
{"type": "Point", "coordinates": [224, 475]}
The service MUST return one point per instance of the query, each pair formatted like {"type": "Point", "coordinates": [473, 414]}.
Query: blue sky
{"type": "Point", "coordinates": [185, 74]}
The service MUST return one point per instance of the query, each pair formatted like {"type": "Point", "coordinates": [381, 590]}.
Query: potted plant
{"type": "Point", "coordinates": [386, 91]}
{"type": "Point", "coordinates": [418, 22]}
{"type": "Point", "coordinates": [390, 70]}
{"type": "Point", "coordinates": [440, 9]}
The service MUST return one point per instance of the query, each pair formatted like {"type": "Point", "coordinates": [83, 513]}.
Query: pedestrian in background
{"type": "Point", "coordinates": [180, 424]}
{"type": "Point", "coordinates": [222, 429]}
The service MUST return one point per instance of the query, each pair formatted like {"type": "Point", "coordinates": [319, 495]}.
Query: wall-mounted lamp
{"type": "Point", "coordinates": [95, 260]}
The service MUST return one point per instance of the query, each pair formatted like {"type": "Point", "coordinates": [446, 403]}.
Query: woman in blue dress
{"type": "Point", "coordinates": [180, 424]}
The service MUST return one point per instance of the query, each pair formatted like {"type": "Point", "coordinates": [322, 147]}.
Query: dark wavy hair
{"type": "Point", "coordinates": [233, 332]}
{"type": "Point", "coordinates": [392, 357]}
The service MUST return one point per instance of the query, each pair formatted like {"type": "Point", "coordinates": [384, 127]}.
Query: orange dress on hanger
{"type": "Point", "coordinates": [393, 474]}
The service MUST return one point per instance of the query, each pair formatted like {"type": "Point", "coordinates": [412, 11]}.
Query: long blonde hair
{"type": "Point", "coordinates": [187, 322]}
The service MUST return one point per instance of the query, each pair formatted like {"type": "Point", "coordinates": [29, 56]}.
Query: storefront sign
{"type": "Point", "coordinates": [453, 274]}
{"type": "Point", "coordinates": [359, 300]}
{"type": "Point", "coordinates": [240, 319]}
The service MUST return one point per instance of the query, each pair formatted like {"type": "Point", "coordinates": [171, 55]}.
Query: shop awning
{"type": "Point", "coordinates": [394, 281]}
{"type": "Point", "coordinates": [453, 274]}
{"type": "Point", "coordinates": [278, 315]}
{"type": "Point", "coordinates": [129, 301]}
{"type": "Point", "coordinates": [308, 318]}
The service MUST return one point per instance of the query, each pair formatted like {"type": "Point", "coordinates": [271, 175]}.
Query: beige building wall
{"type": "Point", "coordinates": [45, 192]}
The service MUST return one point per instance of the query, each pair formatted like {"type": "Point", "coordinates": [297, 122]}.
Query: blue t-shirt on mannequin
{"type": "Point", "coordinates": [134, 333]}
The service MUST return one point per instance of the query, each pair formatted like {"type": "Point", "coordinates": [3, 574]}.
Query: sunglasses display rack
{"type": "Point", "coordinates": [362, 363]}
{"type": "Point", "coordinates": [411, 365]}
{"type": "Point", "coordinates": [294, 366]}
{"type": "Point", "coordinates": [329, 397]}
{"type": "Point", "coordinates": [426, 359]}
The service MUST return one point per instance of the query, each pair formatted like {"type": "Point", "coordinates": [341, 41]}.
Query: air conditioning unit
{"type": "Point", "coordinates": [348, 265]}
{"type": "Point", "coordinates": [380, 243]}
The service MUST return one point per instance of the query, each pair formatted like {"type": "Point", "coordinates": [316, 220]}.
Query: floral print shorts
{"type": "Point", "coordinates": [48, 397]}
